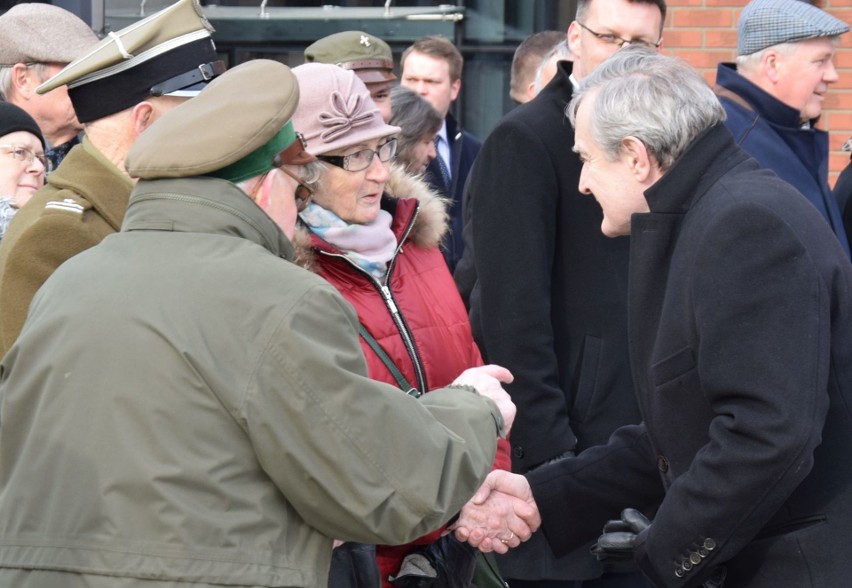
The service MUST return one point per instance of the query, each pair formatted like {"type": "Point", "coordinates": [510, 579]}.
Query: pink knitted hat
{"type": "Point", "coordinates": [335, 109]}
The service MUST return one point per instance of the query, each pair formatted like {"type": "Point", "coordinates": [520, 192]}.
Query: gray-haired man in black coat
{"type": "Point", "coordinates": [740, 314]}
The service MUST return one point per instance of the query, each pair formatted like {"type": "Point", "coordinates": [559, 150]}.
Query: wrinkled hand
{"type": "Point", "coordinates": [486, 380]}
{"type": "Point", "coordinates": [501, 515]}
{"type": "Point", "coordinates": [619, 536]}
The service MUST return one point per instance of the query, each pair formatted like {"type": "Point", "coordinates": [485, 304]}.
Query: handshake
{"type": "Point", "coordinates": [501, 515]}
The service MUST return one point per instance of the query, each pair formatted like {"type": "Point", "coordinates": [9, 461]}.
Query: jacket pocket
{"type": "Point", "coordinates": [790, 526]}
{"type": "Point", "coordinates": [671, 370]}
{"type": "Point", "coordinates": [587, 378]}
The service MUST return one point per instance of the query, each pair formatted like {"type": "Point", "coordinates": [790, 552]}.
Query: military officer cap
{"type": "Point", "coordinates": [42, 33]}
{"type": "Point", "coordinates": [368, 56]}
{"type": "Point", "coordinates": [764, 23]}
{"type": "Point", "coordinates": [236, 129]}
{"type": "Point", "coordinates": [170, 53]}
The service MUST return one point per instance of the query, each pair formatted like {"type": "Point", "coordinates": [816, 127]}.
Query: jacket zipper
{"type": "Point", "coordinates": [390, 303]}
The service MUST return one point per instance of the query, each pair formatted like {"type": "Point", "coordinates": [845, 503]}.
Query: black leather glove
{"type": "Point", "coordinates": [619, 536]}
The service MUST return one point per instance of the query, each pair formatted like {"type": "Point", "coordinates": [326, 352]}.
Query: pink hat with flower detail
{"type": "Point", "coordinates": [335, 109]}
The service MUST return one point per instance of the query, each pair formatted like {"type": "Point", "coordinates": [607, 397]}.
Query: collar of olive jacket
{"type": "Point", "coordinates": [203, 205]}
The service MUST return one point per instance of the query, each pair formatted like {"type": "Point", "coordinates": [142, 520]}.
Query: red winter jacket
{"type": "Point", "coordinates": [429, 340]}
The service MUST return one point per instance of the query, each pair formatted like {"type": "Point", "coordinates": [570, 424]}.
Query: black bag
{"type": "Point", "coordinates": [354, 565]}
{"type": "Point", "coordinates": [446, 563]}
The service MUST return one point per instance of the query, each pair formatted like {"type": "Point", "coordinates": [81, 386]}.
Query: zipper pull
{"type": "Point", "coordinates": [391, 304]}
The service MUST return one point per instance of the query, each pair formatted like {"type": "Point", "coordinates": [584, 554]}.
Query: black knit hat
{"type": "Point", "coordinates": [14, 119]}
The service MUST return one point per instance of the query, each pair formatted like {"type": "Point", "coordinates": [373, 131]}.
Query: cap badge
{"type": "Point", "coordinates": [365, 41]}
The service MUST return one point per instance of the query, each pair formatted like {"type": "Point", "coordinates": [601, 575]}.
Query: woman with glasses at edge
{"type": "Point", "coordinates": [22, 161]}
{"type": "Point", "coordinates": [373, 231]}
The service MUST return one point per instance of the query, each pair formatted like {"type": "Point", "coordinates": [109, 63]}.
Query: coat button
{"type": "Point", "coordinates": [709, 544]}
{"type": "Point", "coordinates": [695, 558]}
{"type": "Point", "coordinates": [679, 572]}
{"type": "Point", "coordinates": [686, 565]}
{"type": "Point", "coordinates": [518, 452]}
{"type": "Point", "coordinates": [662, 463]}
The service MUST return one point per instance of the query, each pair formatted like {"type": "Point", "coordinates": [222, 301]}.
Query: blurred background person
{"type": "Point", "coordinates": [526, 61]}
{"type": "Point", "coordinates": [432, 67]}
{"type": "Point", "coordinates": [418, 123]}
{"type": "Point", "coordinates": [775, 92]}
{"type": "Point", "coordinates": [368, 56]}
{"type": "Point", "coordinates": [546, 70]}
{"type": "Point", "coordinates": [22, 161]}
{"type": "Point", "coordinates": [38, 40]}
{"type": "Point", "coordinates": [373, 231]}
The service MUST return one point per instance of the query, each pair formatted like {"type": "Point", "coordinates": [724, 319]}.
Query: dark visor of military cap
{"type": "Point", "coordinates": [169, 53]}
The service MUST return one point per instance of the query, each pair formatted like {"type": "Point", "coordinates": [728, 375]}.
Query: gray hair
{"type": "Point", "coordinates": [559, 52]}
{"type": "Point", "coordinates": [6, 77]}
{"type": "Point", "coordinates": [660, 100]}
{"type": "Point", "coordinates": [750, 63]}
{"type": "Point", "coordinates": [416, 117]}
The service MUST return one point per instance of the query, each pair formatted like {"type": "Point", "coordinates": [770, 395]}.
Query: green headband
{"type": "Point", "coordinates": [258, 161]}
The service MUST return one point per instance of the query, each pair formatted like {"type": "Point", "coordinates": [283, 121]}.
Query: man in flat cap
{"type": "Point", "coordinates": [38, 41]}
{"type": "Point", "coordinates": [118, 89]}
{"type": "Point", "coordinates": [774, 94]}
{"type": "Point", "coordinates": [368, 56]}
{"type": "Point", "coordinates": [187, 405]}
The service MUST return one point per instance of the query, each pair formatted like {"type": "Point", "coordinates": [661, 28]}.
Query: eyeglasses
{"type": "Point", "coordinates": [610, 39]}
{"type": "Point", "coordinates": [361, 160]}
{"type": "Point", "coordinates": [24, 154]}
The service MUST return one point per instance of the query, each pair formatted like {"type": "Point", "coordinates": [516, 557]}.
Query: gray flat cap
{"type": "Point", "coordinates": [764, 23]}
{"type": "Point", "coordinates": [42, 33]}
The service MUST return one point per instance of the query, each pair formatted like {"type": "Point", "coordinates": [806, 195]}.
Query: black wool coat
{"type": "Point", "coordinates": [551, 299]}
{"type": "Point", "coordinates": [741, 348]}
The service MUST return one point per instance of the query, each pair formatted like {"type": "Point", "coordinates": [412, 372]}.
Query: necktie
{"type": "Point", "coordinates": [445, 173]}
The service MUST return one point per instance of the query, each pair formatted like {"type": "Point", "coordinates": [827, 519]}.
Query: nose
{"type": "Point", "coordinates": [830, 75]}
{"type": "Point", "coordinates": [378, 171]}
{"type": "Point", "coordinates": [583, 186]}
{"type": "Point", "coordinates": [431, 152]}
{"type": "Point", "coordinates": [421, 88]}
{"type": "Point", "coordinates": [36, 166]}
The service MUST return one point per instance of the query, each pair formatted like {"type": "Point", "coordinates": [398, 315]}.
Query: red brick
{"type": "Point", "coordinates": [682, 38]}
{"type": "Point", "coordinates": [702, 18]}
{"type": "Point", "coordinates": [672, 3]}
{"type": "Point", "coordinates": [839, 119]}
{"type": "Point", "coordinates": [705, 59]}
{"type": "Point", "coordinates": [720, 3]}
{"type": "Point", "coordinates": [720, 39]}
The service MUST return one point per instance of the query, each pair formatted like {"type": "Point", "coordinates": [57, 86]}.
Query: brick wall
{"type": "Point", "coordinates": [704, 32]}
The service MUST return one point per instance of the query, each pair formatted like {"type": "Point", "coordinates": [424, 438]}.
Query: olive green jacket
{"type": "Point", "coordinates": [83, 202]}
{"type": "Point", "coordinates": [184, 405]}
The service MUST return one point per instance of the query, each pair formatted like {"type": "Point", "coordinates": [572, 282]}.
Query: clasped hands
{"type": "Point", "coordinates": [501, 515]}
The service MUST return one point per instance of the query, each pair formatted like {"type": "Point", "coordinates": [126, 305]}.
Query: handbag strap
{"type": "Point", "coordinates": [395, 371]}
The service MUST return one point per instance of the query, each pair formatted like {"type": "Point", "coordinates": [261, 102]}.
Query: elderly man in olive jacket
{"type": "Point", "coordinates": [186, 407]}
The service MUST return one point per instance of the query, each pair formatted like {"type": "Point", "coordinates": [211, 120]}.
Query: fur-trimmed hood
{"type": "Point", "coordinates": [429, 228]}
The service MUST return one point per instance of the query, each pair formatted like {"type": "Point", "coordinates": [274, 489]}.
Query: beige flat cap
{"type": "Point", "coordinates": [233, 129]}
{"type": "Point", "coordinates": [42, 33]}
{"type": "Point", "coordinates": [167, 52]}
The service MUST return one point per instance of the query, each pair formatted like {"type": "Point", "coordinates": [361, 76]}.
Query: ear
{"type": "Point", "coordinates": [573, 35]}
{"type": "Point", "coordinates": [454, 89]}
{"type": "Point", "coordinates": [531, 91]}
{"type": "Point", "coordinates": [264, 191]}
{"type": "Point", "coordinates": [143, 116]}
{"type": "Point", "coordinates": [638, 160]}
{"type": "Point", "coordinates": [770, 64]}
{"type": "Point", "coordinates": [23, 81]}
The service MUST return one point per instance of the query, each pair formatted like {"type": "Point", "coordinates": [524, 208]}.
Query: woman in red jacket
{"type": "Point", "coordinates": [373, 231]}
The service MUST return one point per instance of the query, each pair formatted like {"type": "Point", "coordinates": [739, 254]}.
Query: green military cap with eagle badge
{"type": "Point", "coordinates": [368, 56]}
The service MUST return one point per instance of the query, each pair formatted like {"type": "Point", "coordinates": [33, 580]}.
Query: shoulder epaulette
{"type": "Point", "coordinates": [68, 205]}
